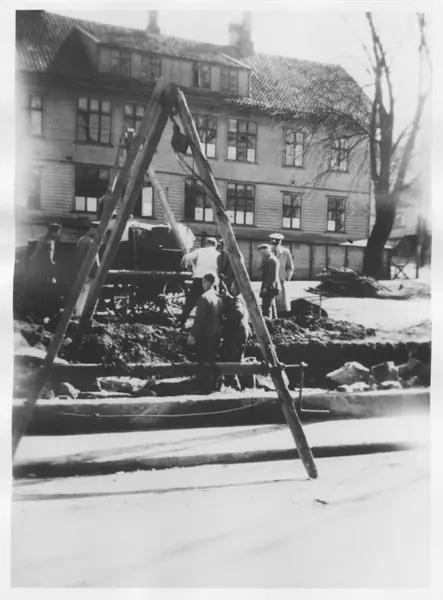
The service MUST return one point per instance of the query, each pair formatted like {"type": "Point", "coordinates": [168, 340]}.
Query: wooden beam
{"type": "Point", "coordinates": [168, 212]}
{"type": "Point", "coordinates": [111, 199]}
{"type": "Point", "coordinates": [311, 261]}
{"type": "Point", "coordinates": [145, 142]}
{"type": "Point", "coordinates": [243, 281]}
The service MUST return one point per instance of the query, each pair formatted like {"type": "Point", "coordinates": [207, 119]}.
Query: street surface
{"type": "Point", "coordinates": [363, 523]}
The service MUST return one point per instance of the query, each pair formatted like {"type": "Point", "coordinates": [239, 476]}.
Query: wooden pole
{"type": "Point", "coordinates": [112, 197]}
{"type": "Point", "coordinates": [145, 142]}
{"type": "Point", "coordinates": [168, 212]}
{"type": "Point", "coordinates": [242, 278]}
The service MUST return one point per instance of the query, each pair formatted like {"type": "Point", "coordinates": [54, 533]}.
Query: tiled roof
{"type": "Point", "coordinates": [288, 85]}
{"type": "Point", "coordinates": [278, 84]}
{"type": "Point", "coordinates": [40, 34]}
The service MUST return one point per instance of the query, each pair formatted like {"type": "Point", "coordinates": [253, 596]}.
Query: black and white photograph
{"type": "Point", "coordinates": [221, 296]}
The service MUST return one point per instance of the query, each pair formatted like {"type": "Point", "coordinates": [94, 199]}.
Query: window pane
{"type": "Point", "coordinates": [242, 126]}
{"type": "Point", "coordinates": [209, 215]}
{"type": "Point", "coordinates": [251, 155]}
{"type": "Point", "coordinates": [129, 110]}
{"type": "Point", "coordinates": [199, 213]}
{"type": "Point", "coordinates": [231, 189]}
{"type": "Point", "coordinates": [252, 127]}
{"type": "Point", "coordinates": [210, 150]}
{"type": "Point", "coordinates": [250, 206]}
{"type": "Point", "coordinates": [286, 222]}
{"type": "Point", "coordinates": [147, 202]}
{"type": "Point", "coordinates": [250, 191]}
{"type": "Point", "coordinates": [232, 125]}
{"type": "Point", "coordinates": [231, 215]}
{"type": "Point", "coordinates": [233, 82]}
{"type": "Point", "coordinates": [232, 153]}
{"type": "Point", "coordinates": [103, 174]}
{"type": "Point", "coordinates": [240, 217]}
{"type": "Point", "coordinates": [250, 218]}
{"type": "Point", "coordinates": [80, 204]}
{"type": "Point", "coordinates": [331, 225]}
{"type": "Point", "coordinates": [36, 122]}
{"type": "Point", "coordinates": [296, 223]}
{"type": "Point", "coordinates": [241, 150]}
{"type": "Point", "coordinates": [83, 103]}
{"type": "Point", "coordinates": [230, 204]}
{"type": "Point", "coordinates": [106, 106]}
{"type": "Point", "coordinates": [91, 204]}
{"type": "Point", "coordinates": [36, 102]}
{"type": "Point", "coordinates": [139, 111]}
{"type": "Point", "coordinates": [94, 105]}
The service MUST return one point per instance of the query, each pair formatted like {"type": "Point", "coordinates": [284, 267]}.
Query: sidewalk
{"type": "Point", "coordinates": [71, 417]}
{"type": "Point", "coordinates": [67, 456]}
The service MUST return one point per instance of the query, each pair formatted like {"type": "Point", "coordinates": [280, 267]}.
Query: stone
{"type": "Point", "coordinates": [390, 385]}
{"type": "Point", "coordinates": [358, 386]}
{"type": "Point", "coordinates": [408, 367]}
{"type": "Point", "coordinates": [349, 373]}
{"type": "Point", "coordinates": [66, 389]}
{"type": "Point", "coordinates": [100, 394]}
{"type": "Point", "coordinates": [386, 371]}
{"type": "Point", "coordinates": [114, 384]}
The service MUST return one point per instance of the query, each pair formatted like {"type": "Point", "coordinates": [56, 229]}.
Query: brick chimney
{"type": "Point", "coordinates": [240, 44]}
{"type": "Point", "coordinates": [152, 24]}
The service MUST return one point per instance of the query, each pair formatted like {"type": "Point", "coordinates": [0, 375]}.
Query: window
{"type": "Point", "coordinates": [229, 81]}
{"type": "Point", "coordinates": [336, 215]}
{"type": "Point", "coordinates": [240, 202]}
{"type": "Point", "coordinates": [292, 211]}
{"type": "Point", "coordinates": [33, 200]}
{"type": "Point", "coordinates": [294, 145]}
{"type": "Point", "coordinates": [202, 76]}
{"type": "Point", "coordinates": [197, 205]}
{"type": "Point", "coordinates": [35, 109]}
{"type": "Point", "coordinates": [242, 140]}
{"type": "Point", "coordinates": [132, 116]}
{"type": "Point", "coordinates": [339, 155]}
{"type": "Point", "coordinates": [121, 62]}
{"type": "Point", "coordinates": [94, 120]}
{"type": "Point", "coordinates": [144, 207]}
{"type": "Point", "coordinates": [150, 67]}
{"type": "Point", "coordinates": [91, 183]}
{"type": "Point", "coordinates": [207, 131]}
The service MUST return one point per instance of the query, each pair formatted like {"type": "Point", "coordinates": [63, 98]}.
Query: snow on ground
{"type": "Point", "coordinates": [363, 523]}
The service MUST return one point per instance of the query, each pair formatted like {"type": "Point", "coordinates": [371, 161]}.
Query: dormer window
{"type": "Point", "coordinates": [229, 81]}
{"type": "Point", "coordinates": [202, 76]}
{"type": "Point", "coordinates": [121, 62]}
{"type": "Point", "coordinates": [150, 67]}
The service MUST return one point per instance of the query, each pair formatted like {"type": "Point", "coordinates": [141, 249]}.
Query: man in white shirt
{"type": "Point", "coordinates": [204, 260]}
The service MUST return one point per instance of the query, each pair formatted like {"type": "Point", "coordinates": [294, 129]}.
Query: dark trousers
{"type": "Point", "coordinates": [207, 350]}
{"type": "Point", "coordinates": [194, 293]}
{"type": "Point", "coordinates": [233, 350]}
{"type": "Point", "coordinates": [269, 308]}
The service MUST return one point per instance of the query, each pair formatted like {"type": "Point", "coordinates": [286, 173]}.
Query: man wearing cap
{"type": "Point", "coordinates": [270, 286]}
{"type": "Point", "coordinates": [204, 260]}
{"type": "Point", "coordinates": [286, 270]}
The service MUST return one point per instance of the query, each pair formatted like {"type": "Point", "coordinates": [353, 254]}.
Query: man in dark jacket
{"type": "Point", "coordinates": [205, 332]}
{"type": "Point", "coordinates": [235, 333]}
{"type": "Point", "coordinates": [270, 286]}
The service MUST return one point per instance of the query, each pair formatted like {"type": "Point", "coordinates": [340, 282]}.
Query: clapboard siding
{"type": "Point", "coordinates": [355, 258]}
{"type": "Point", "coordinates": [320, 259]}
{"type": "Point", "coordinates": [301, 256]}
{"type": "Point", "coordinates": [57, 188]}
{"type": "Point", "coordinates": [336, 257]}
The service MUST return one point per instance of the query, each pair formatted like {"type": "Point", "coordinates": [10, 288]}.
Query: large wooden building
{"type": "Point", "coordinates": [81, 85]}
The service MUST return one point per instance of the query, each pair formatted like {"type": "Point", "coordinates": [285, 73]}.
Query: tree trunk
{"type": "Point", "coordinates": [384, 221]}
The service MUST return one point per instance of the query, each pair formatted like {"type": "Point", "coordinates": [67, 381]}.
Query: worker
{"type": "Point", "coordinates": [204, 260]}
{"type": "Point", "coordinates": [235, 332]}
{"type": "Point", "coordinates": [205, 333]}
{"type": "Point", "coordinates": [42, 271]}
{"type": "Point", "coordinates": [286, 270]}
{"type": "Point", "coordinates": [224, 269]}
{"type": "Point", "coordinates": [270, 286]}
{"type": "Point", "coordinates": [83, 245]}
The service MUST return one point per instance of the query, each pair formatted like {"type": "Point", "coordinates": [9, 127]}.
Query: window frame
{"type": "Point", "coordinates": [136, 119]}
{"type": "Point", "coordinates": [339, 155]}
{"type": "Point", "coordinates": [294, 196]}
{"type": "Point", "coordinates": [245, 198]}
{"type": "Point", "coordinates": [228, 89]}
{"type": "Point", "coordinates": [336, 211]}
{"type": "Point", "coordinates": [34, 110]}
{"type": "Point", "coordinates": [148, 68]}
{"type": "Point", "coordinates": [238, 134]}
{"type": "Point", "coordinates": [34, 200]}
{"type": "Point", "coordinates": [197, 75]}
{"type": "Point", "coordinates": [101, 116]}
{"type": "Point", "coordinates": [98, 168]}
{"type": "Point", "coordinates": [205, 116]}
{"type": "Point", "coordinates": [139, 202]}
{"type": "Point", "coordinates": [293, 145]}
{"type": "Point", "coordinates": [207, 206]}
{"type": "Point", "coordinates": [124, 57]}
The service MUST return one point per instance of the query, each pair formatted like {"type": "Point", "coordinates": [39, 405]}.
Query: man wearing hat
{"type": "Point", "coordinates": [286, 270]}
{"type": "Point", "coordinates": [204, 261]}
{"type": "Point", "coordinates": [270, 286]}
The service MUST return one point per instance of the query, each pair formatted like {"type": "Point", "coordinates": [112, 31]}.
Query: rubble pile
{"type": "Point", "coordinates": [308, 328]}
{"type": "Point", "coordinates": [354, 377]}
{"type": "Point", "coordinates": [347, 282]}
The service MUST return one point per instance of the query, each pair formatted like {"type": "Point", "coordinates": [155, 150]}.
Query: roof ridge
{"type": "Point", "coordinates": [301, 60]}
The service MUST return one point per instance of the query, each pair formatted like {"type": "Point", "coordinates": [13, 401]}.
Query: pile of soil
{"type": "Point", "coordinates": [304, 329]}
{"type": "Point", "coordinates": [347, 283]}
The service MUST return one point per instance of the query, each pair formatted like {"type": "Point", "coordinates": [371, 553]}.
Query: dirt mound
{"type": "Point", "coordinates": [306, 329]}
{"type": "Point", "coordinates": [347, 283]}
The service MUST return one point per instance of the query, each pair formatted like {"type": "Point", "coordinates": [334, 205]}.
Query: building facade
{"type": "Point", "coordinates": [82, 87]}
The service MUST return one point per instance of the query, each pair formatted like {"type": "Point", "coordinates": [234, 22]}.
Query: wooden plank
{"type": "Point", "coordinates": [145, 142]}
{"type": "Point", "coordinates": [111, 199]}
{"type": "Point", "coordinates": [168, 212]}
{"type": "Point", "coordinates": [242, 278]}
